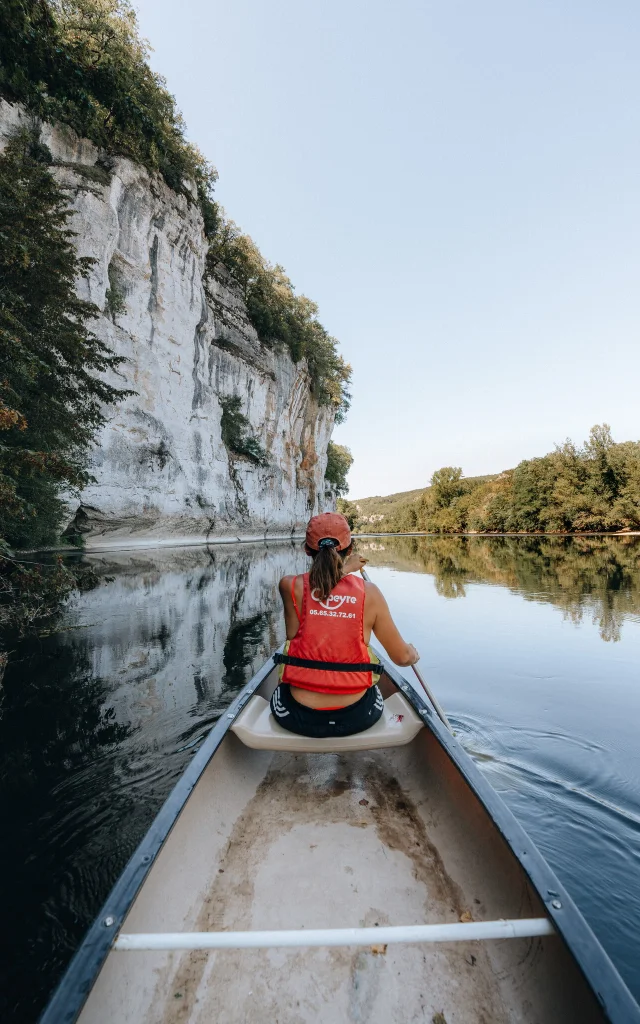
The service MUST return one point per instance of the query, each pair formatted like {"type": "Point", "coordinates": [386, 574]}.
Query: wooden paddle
{"type": "Point", "coordinates": [441, 715]}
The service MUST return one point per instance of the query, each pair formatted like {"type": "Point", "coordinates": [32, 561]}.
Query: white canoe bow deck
{"type": "Point", "coordinates": [392, 843]}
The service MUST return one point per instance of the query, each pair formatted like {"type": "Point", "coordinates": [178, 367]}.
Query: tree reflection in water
{"type": "Point", "coordinates": [595, 576]}
{"type": "Point", "coordinates": [99, 719]}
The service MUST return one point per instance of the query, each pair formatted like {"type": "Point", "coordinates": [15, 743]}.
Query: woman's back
{"type": "Point", "coordinates": [376, 616]}
{"type": "Point", "coordinates": [330, 629]}
{"type": "Point", "coordinates": [328, 676]}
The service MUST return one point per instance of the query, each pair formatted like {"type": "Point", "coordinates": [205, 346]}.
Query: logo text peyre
{"type": "Point", "coordinates": [334, 601]}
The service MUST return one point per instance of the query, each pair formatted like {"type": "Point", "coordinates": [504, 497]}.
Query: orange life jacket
{"type": "Point", "coordinates": [330, 634]}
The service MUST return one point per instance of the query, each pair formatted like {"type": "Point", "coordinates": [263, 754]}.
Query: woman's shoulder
{"type": "Point", "coordinates": [353, 580]}
{"type": "Point", "coordinates": [372, 592]}
{"type": "Point", "coordinates": [286, 582]}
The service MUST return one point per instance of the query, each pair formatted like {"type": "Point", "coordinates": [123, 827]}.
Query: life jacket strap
{"type": "Point", "coordinates": [329, 666]}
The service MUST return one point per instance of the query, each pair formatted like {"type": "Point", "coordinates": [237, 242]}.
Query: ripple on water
{"type": "Point", "coordinates": [580, 811]}
{"type": "Point", "coordinates": [99, 720]}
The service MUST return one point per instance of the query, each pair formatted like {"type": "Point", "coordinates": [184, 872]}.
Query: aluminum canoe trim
{"type": "Point", "coordinates": [71, 994]}
{"type": "Point", "coordinates": [598, 970]}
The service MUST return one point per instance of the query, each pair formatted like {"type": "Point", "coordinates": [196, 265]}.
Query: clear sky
{"type": "Point", "coordinates": [457, 185]}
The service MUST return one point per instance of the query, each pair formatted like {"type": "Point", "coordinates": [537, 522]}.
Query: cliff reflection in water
{"type": "Point", "coordinates": [583, 576]}
{"type": "Point", "coordinates": [99, 719]}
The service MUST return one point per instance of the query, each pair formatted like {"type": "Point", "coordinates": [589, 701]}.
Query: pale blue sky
{"type": "Point", "coordinates": [457, 185]}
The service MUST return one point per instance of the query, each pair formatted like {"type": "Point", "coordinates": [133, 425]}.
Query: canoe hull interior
{"type": "Point", "coordinates": [391, 837]}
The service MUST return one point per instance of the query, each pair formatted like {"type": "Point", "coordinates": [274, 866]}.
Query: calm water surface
{"type": "Point", "coordinates": [533, 647]}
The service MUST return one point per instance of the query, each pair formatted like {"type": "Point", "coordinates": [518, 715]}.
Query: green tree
{"type": "Point", "coordinates": [280, 317]}
{"type": "Point", "coordinates": [82, 62]}
{"type": "Point", "coordinates": [532, 489]}
{"type": "Point", "coordinates": [446, 486]}
{"type": "Point", "coordinates": [403, 520]}
{"type": "Point", "coordinates": [339, 462]}
{"type": "Point", "coordinates": [444, 505]}
{"type": "Point", "coordinates": [625, 509]}
{"type": "Point", "coordinates": [236, 431]}
{"type": "Point", "coordinates": [595, 487]}
{"type": "Point", "coordinates": [52, 397]}
{"type": "Point", "coordinates": [604, 479]}
{"type": "Point", "coordinates": [349, 510]}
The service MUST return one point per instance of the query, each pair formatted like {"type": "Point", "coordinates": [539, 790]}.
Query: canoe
{"type": "Point", "coordinates": [377, 878]}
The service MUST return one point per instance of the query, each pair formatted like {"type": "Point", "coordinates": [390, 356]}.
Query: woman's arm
{"type": "Point", "coordinates": [353, 563]}
{"type": "Point", "coordinates": [385, 629]}
{"type": "Point", "coordinates": [290, 618]}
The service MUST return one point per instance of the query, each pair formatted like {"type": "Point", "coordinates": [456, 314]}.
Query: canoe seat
{"type": "Point", "coordinates": [257, 728]}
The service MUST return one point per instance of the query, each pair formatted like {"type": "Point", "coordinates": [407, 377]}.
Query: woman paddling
{"type": "Point", "coordinates": [328, 675]}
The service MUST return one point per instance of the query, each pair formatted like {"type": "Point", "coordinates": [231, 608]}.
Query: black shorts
{"type": "Point", "coordinates": [321, 724]}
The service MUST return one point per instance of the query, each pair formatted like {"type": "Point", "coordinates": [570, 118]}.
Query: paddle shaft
{"type": "Point", "coordinates": [441, 715]}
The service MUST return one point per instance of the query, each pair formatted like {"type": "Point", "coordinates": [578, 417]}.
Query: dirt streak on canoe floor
{"type": "Point", "coordinates": [321, 832]}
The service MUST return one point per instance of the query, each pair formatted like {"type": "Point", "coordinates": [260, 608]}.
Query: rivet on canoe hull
{"type": "Point", "coordinates": [556, 904]}
{"type": "Point", "coordinates": [109, 922]}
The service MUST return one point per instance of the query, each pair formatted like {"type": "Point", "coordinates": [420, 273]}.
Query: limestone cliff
{"type": "Point", "coordinates": [162, 472]}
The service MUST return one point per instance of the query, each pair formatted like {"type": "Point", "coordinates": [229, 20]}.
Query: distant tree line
{"type": "Point", "coordinates": [595, 487]}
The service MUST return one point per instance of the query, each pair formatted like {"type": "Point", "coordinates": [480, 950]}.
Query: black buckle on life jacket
{"type": "Point", "coordinates": [329, 666]}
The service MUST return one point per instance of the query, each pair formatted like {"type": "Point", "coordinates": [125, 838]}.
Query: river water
{"type": "Point", "coordinates": [531, 644]}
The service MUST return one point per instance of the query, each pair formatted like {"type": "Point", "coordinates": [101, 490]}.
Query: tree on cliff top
{"type": "Point", "coordinates": [51, 397]}
{"type": "Point", "coordinates": [82, 62]}
{"type": "Point", "coordinates": [339, 462]}
{"type": "Point", "coordinates": [279, 316]}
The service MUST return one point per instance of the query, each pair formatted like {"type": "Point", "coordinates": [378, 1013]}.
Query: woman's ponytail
{"type": "Point", "coordinates": [326, 570]}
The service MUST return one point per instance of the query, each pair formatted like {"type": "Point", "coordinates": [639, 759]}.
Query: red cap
{"type": "Point", "coordinates": [328, 524]}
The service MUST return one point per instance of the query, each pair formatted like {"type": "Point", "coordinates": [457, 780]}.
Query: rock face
{"type": "Point", "coordinates": [162, 472]}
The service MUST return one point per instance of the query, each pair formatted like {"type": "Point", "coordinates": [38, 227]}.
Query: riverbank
{"type": "Point", "coordinates": [152, 543]}
{"type": "Point", "coordinates": [477, 533]}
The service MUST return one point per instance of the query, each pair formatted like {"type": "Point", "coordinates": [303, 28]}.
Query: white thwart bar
{"type": "Point", "coordinates": [519, 928]}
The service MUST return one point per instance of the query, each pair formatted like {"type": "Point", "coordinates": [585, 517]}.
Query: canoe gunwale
{"type": "Point", "coordinates": [73, 990]}
{"type": "Point", "coordinates": [598, 970]}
